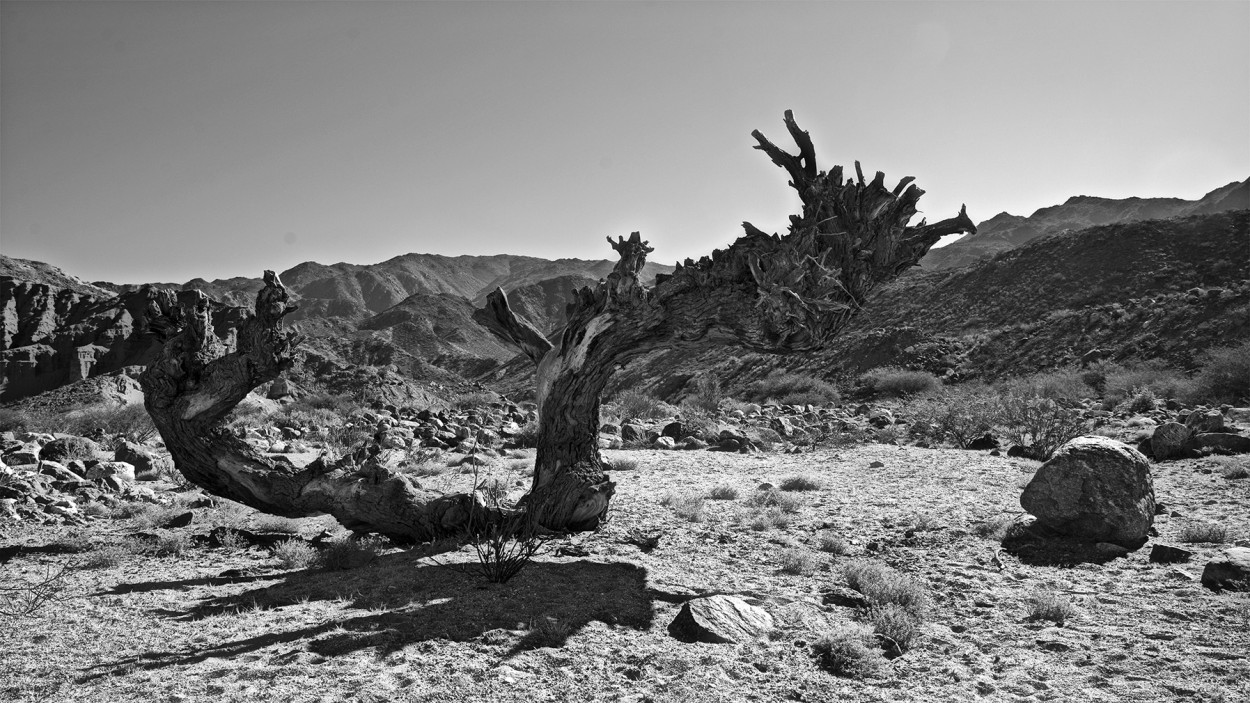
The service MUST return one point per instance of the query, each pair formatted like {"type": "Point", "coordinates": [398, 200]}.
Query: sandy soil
{"type": "Point", "coordinates": [234, 626]}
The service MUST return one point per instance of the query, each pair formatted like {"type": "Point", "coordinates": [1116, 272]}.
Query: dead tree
{"type": "Point", "coordinates": [764, 292]}
{"type": "Point", "coordinates": [769, 293]}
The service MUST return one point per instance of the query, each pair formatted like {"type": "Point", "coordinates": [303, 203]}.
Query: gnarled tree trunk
{"type": "Point", "coordinates": [765, 292]}
{"type": "Point", "coordinates": [768, 293]}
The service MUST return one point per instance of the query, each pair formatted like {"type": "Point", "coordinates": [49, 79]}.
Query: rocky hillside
{"type": "Point", "coordinates": [409, 318]}
{"type": "Point", "coordinates": [1004, 231]}
{"type": "Point", "coordinates": [1158, 289]}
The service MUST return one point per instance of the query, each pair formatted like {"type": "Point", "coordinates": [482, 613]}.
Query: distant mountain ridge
{"type": "Point", "coordinates": [1005, 231]}
{"type": "Point", "coordinates": [411, 313]}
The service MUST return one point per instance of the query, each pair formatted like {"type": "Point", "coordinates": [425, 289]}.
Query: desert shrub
{"type": "Point", "coordinates": [276, 523]}
{"type": "Point", "coordinates": [635, 404]}
{"type": "Point", "coordinates": [834, 544]}
{"type": "Point", "coordinates": [723, 492]}
{"type": "Point", "coordinates": [1204, 532]}
{"type": "Point", "coordinates": [1140, 400]}
{"type": "Point", "coordinates": [130, 422]}
{"type": "Point", "coordinates": [339, 405]}
{"type": "Point", "coordinates": [1060, 384]}
{"type": "Point", "coordinates": [165, 544]}
{"type": "Point", "coordinates": [848, 651]}
{"type": "Point", "coordinates": [960, 414]}
{"type": "Point", "coordinates": [895, 622]}
{"type": "Point", "coordinates": [1048, 605]}
{"type": "Point", "coordinates": [882, 585]}
{"type": "Point", "coordinates": [352, 552]}
{"type": "Point", "coordinates": [1122, 382]}
{"type": "Point", "coordinates": [94, 509]}
{"type": "Point", "coordinates": [145, 515]}
{"type": "Point", "coordinates": [796, 561]}
{"type": "Point", "coordinates": [622, 464]}
{"type": "Point", "coordinates": [769, 518]}
{"type": "Point", "coordinates": [527, 437]}
{"type": "Point", "coordinates": [787, 388]}
{"type": "Point", "coordinates": [505, 548]}
{"type": "Point", "coordinates": [686, 506]}
{"type": "Point", "coordinates": [773, 498]}
{"type": "Point", "coordinates": [25, 600]}
{"type": "Point", "coordinates": [699, 423]}
{"type": "Point", "coordinates": [34, 420]}
{"type": "Point", "coordinates": [801, 483]}
{"type": "Point", "coordinates": [1039, 425]}
{"type": "Point", "coordinates": [548, 632]}
{"type": "Point", "coordinates": [1225, 377]}
{"type": "Point", "coordinates": [477, 399]}
{"type": "Point", "coordinates": [105, 557]}
{"type": "Point", "coordinates": [232, 541]}
{"type": "Point", "coordinates": [994, 529]}
{"type": "Point", "coordinates": [707, 395]}
{"type": "Point", "coordinates": [895, 381]}
{"type": "Point", "coordinates": [1232, 468]}
{"type": "Point", "coordinates": [295, 554]}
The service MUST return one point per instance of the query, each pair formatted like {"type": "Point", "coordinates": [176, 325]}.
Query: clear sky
{"type": "Point", "coordinates": [160, 141]}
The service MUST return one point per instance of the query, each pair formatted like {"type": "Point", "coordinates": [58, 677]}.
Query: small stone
{"type": "Point", "coordinates": [876, 465]}
{"type": "Point", "coordinates": [1165, 554]}
{"type": "Point", "coordinates": [720, 620]}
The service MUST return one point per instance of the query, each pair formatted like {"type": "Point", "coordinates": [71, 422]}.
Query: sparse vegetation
{"type": "Point", "coordinates": [786, 388]}
{"type": "Point", "coordinates": [796, 561]}
{"type": "Point", "coordinates": [850, 652]}
{"type": "Point", "coordinates": [882, 585]}
{"type": "Point", "coordinates": [1225, 377]}
{"type": "Point", "coordinates": [834, 544]}
{"type": "Point", "coordinates": [773, 498]}
{"type": "Point", "coordinates": [1051, 606]}
{"type": "Point", "coordinates": [995, 528]}
{"type": "Point", "coordinates": [895, 381]}
{"type": "Point", "coordinates": [634, 404]}
{"type": "Point", "coordinates": [276, 523]}
{"type": "Point", "coordinates": [895, 623]}
{"type": "Point", "coordinates": [723, 492]}
{"type": "Point", "coordinates": [351, 552]}
{"type": "Point", "coordinates": [295, 554]}
{"type": "Point", "coordinates": [1039, 425]}
{"type": "Point", "coordinates": [1198, 532]}
{"type": "Point", "coordinates": [769, 519]}
{"type": "Point", "coordinates": [800, 483]}
{"type": "Point", "coordinates": [686, 506]}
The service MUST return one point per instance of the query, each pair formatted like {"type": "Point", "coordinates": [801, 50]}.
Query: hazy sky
{"type": "Point", "coordinates": [160, 141]}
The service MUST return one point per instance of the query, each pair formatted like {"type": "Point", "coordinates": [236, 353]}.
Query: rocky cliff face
{"type": "Point", "coordinates": [58, 335]}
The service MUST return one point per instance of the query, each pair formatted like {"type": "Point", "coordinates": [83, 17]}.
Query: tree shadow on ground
{"type": "Point", "coordinates": [1038, 545]}
{"type": "Point", "coordinates": [403, 601]}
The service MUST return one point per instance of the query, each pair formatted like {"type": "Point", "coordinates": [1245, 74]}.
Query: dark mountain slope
{"type": "Point", "coordinates": [1005, 231]}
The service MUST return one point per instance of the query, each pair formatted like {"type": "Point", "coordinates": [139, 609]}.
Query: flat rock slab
{"type": "Point", "coordinates": [1230, 571]}
{"type": "Point", "coordinates": [1094, 488]}
{"type": "Point", "coordinates": [720, 620]}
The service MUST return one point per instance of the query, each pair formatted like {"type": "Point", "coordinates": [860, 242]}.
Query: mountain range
{"type": "Point", "coordinates": [1113, 278]}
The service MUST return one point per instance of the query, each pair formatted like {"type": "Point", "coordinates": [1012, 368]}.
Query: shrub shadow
{"type": "Point", "coordinates": [403, 601]}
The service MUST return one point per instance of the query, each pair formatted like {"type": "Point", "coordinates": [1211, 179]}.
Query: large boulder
{"type": "Point", "coordinates": [148, 464]}
{"type": "Point", "coordinates": [1094, 488]}
{"type": "Point", "coordinates": [1170, 441]}
{"type": "Point", "coordinates": [1205, 421]}
{"type": "Point", "coordinates": [1230, 571]}
{"type": "Point", "coordinates": [65, 449]}
{"type": "Point", "coordinates": [720, 620]}
{"type": "Point", "coordinates": [1221, 441]}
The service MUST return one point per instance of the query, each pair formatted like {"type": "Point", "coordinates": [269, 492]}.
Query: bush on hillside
{"type": "Point", "coordinates": [786, 388]}
{"type": "Point", "coordinates": [1039, 425]}
{"type": "Point", "coordinates": [895, 381]}
{"type": "Point", "coordinates": [960, 414]}
{"type": "Point", "coordinates": [707, 395]}
{"type": "Point", "coordinates": [1123, 382]}
{"type": "Point", "coordinates": [635, 404]}
{"type": "Point", "coordinates": [1060, 384]}
{"type": "Point", "coordinates": [1225, 378]}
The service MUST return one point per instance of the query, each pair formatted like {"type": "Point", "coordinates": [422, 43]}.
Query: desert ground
{"type": "Point", "coordinates": [587, 619]}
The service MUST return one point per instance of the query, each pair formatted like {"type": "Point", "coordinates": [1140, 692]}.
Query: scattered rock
{"type": "Point", "coordinates": [1169, 441]}
{"type": "Point", "coordinates": [147, 464]}
{"type": "Point", "coordinates": [664, 442]}
{"type": "Point", "coordinates": [1165, 554]}
{"type": "Point", "coordinates": [117, 470]}
{"type": "Point", "coordinates": [1221, 441]}
{"type": "Point", "coordinates": [1230, 571]}
{"type": "Point", "coordinates": [65, 449]}
{"type": "Point", "coordinates": [1094, 488]}
{"type": "Point", "coordinates": [720, 620]}
{"type": "Point", "coordinates": [1200, 421]}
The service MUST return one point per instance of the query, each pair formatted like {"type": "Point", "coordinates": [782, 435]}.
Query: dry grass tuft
{"type": "Point", "coordinates": [848, 651]}
{"type": "Point", "coordinates": [1048, 605]}
{"type": "Point", "coordinates": [296, 554]}
{"type": "Point", "coordinates": [773, 498]}
{"type": "Point", "coordinates": [801, 483]}
{"type": "Point", "coordinates": [882, 585]}
{"type": "Point", "coordinates": [834, 544]}
{"type": "Point", "coordinates": [723, 492]}
{"type": "Point", "coordinates": [797, 562]}
{"type": "Point", "coordinates": [686, 506]}
{"type": "Point", "coordinates": [1204, 532]}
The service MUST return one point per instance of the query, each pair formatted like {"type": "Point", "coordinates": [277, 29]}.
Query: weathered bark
{"type": "Point", "coordinates": [198, 379]}
{"type": "Point", "coordinates": [765, 292]}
